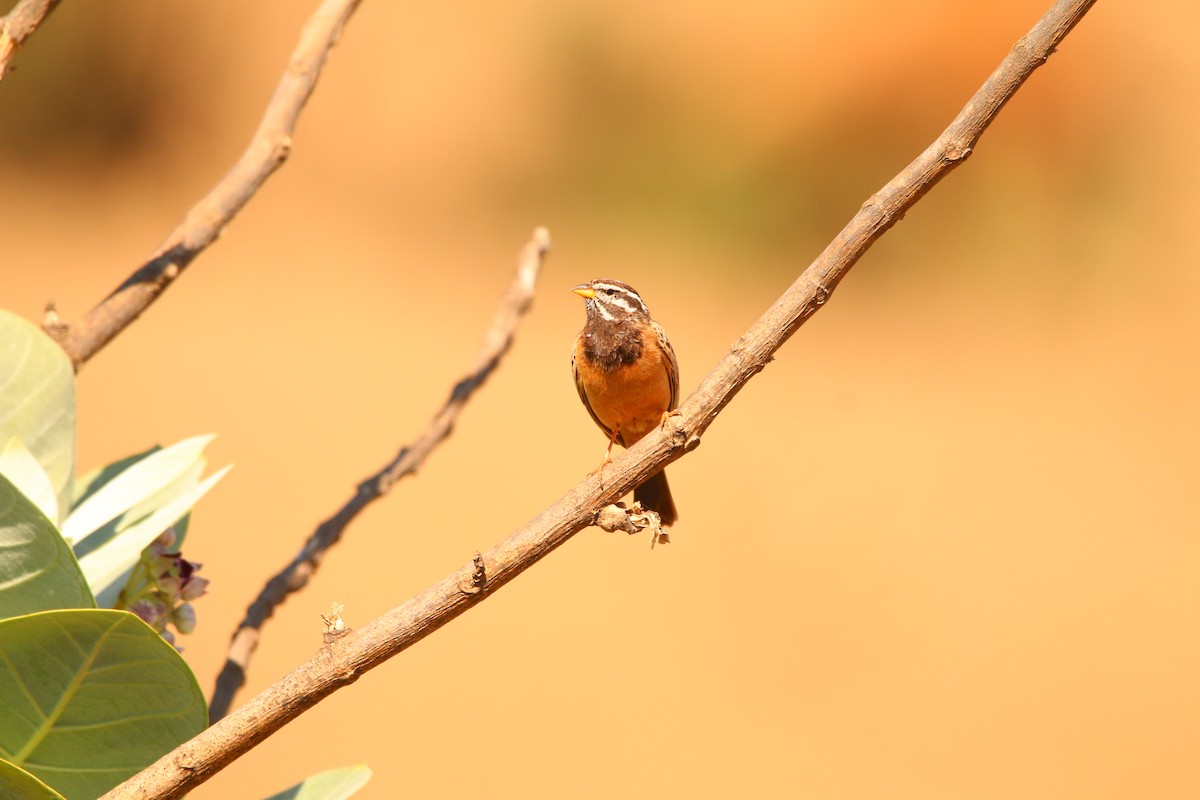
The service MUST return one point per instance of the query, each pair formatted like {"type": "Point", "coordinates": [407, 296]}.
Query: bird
{"type": "Point", "coordinates": [627, 376]}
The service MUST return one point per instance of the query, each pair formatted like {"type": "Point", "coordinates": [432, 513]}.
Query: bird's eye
{"type": "Point", "coordinates": [610, 292]}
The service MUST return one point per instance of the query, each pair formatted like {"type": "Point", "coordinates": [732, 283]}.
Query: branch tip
{"type": "Point", "coordinates": [207, 219]}
{"type": "Point", "coordinates": [294, 577]}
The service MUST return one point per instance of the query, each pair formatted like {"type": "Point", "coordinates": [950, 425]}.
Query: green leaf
{"type": "Point", "coordinates": [93, 483]}
{"type": "Point", "coordinates": [19, 466]}
{"type": "Point", "coordinates": [142, 480]}
{"type": "Point", "coordinates": [336, 784]}
{"type": "Point", "coordinates": [105, 533]}
{"type": "Point", "coordinates": [86, 485]}
{"type": "Point", "coordinates": [17, 784]}
{"type": "Point", "coordinates": [37, 569]}
{"type": "Point", "coordinates": [37, 399]}
{"type": "Point", "coordinates": [105, 565]}
{"type": "Point", "coordinates": [89, 698]}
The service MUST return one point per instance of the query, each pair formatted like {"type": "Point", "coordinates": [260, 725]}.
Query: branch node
{"type": "Point", "coordinates": [52, 325]}
{"type": "Point", "coordinates": [478, 581]}
{"type": "Point", "coordinates": [478, 576]}
{"type": "Point", "coordinates": [335, 626]}
{"type": "Point", "coordinates": [186, 765]}
{"type": "Point", "coordinates": [617, 517]}
{"type": "Point", "coordinates": [956, 152]}
{"type": "Point", "coordinates": [679, 437]}
{"type": "Point", "coordinates": [1032, 57]}
{"type": "Point", "coordinates": [673, 427]}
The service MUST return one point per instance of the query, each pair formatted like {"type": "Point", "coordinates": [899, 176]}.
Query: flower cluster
{"type": "Point", "coordinates": [161, 587]}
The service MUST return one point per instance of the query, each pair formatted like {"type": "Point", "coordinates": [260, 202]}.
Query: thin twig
{"type": "Point", "coordinates": [18, 25]}
{"type": "Point", "coordinates": [270, 147]}
{"type": "Point", "coordinates": [295, 575]}
{"type": "Point", "coordinates": [344, 661]}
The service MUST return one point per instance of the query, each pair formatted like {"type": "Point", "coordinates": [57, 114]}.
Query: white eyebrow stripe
{"type": "Point", "coordinates": [618, 300]}
{"type": "Point", "coordinates": [625, 297]}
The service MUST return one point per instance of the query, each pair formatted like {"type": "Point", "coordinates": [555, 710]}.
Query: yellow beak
{"type": "Point", "coordinates": [585, 291]}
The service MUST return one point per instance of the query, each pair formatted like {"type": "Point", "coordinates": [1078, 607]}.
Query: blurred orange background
{"type": "Point", "coordinates": [945, 546]}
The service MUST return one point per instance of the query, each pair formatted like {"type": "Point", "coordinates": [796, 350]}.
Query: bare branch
{"type": "Point", "coordinates": [344, 661]}
{"type": "Point", "coordinates": [19, 25]}
{"type": "Point", "coordinates": [295, 575]}
{"type": "Point", "coordinates": [269, 148]}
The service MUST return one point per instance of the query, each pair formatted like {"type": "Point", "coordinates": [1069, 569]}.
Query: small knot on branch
{"type": "Point", "coordinates": [478, 576]}
{"type": "Point", "coordinates": [282, 150]}
{"type": "Point", "coordinates": [632, 520]}
{"type": "Point", "coordinates": [956, 152]}
{"type": "Point", "coordinates": [53, 326]}
{"type": "Point", "coordinates": [672, 428]}
{"type": "Point", "coordinates": [335, 626]}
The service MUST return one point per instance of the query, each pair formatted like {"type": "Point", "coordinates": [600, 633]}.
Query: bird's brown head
{"type": "Point", "coordinates": [611, 301]}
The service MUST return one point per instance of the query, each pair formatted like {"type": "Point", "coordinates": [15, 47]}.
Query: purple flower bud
{"type": "Point", "coordinates": [184, 618]}
{"type": "Point", "coordinates": [164, 542]}
{"type": "Point", "coordinates": [150, 611]}
{"type": "Point", "coordinates": [194, 587]}
{"type": "Point", "coordinates": [170, 587]}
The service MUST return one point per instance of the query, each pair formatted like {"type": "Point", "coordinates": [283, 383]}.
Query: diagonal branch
{"type": "Point", "coordinates": [345, 658]}
{"type": "Point", "coordinates": [295, 575]}
{"type": "Point", "coordinates": [18, 25]}
{"type": "Point", "coordinates": [268, 149]}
